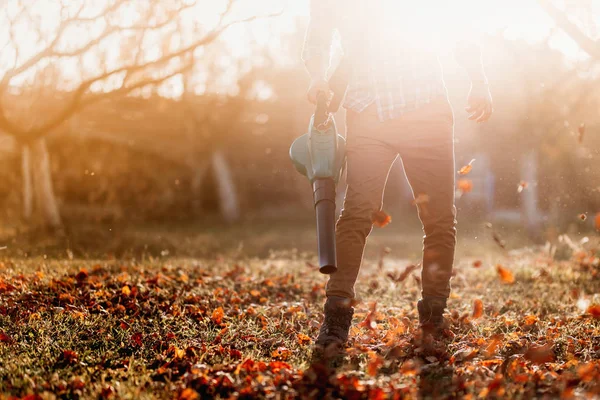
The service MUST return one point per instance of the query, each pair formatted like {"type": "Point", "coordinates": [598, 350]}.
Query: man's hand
{"type": "Point", "coordinates": [317, 84]}
{"type": "Point", "coordinates": [479, 102]}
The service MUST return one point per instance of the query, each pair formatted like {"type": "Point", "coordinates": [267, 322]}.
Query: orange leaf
{"type": "Point", "coordinates": [540, 354]}
{"type": "Point", "coordinates": [477, 308]}
{"type": "Point", "coordinates": [594, 310]}
{"type": "Point", "coordinates": [464, 185]}
{"type": "Point", "coordinates": [375, 362]}
{"type": "Point", "coordinates": [467, 168]}
{"type": "Point", "coordinates": [125, 290]}
{"type": "Point", "coordinates": [188, 394]}
{"type": "Point", "coordinates": [370, 320]}
{"type": "Point", "coordinates": [303, 339]}
{"type": "Point", "coordinates": [505, 275]}
{"type": "Point", "coordinates": [477, 263]}
{"type": "Point", "coordinates": [217, 316]}
{"type": "Point", "coordinates": [380, 218]}
{"type": "Point", "coordinates": [531, 319]}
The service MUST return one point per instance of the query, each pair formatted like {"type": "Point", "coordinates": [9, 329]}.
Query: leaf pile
{"type": "Point", "coordinates": [220, 328]}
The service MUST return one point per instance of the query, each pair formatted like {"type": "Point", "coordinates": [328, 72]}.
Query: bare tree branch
{"type": "Point", "coordinates": [77, 99]}
{"type": "Point", "coordinates": [586, 43]}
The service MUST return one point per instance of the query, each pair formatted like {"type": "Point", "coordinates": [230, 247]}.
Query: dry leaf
{"type": "Point", "coordinates": [380, 218]}
{"type": "Point", "coordinates": [505, 275]}
{"type": "Point", "coordinates": [477, 263]}
{"type": "Point", "coordinates": [403, 275]}
{"type": "Point", "coordinates": [467, 168]}
{"type": "Point", "coordinates": [370, 320]}
{"type": "Point", "coordinates": [375, 362]}
{"type": "Point", "coordinates": [477, 308]}
{"type": "Point", "coordinates": [522, 186]}
{"type": "Point", "coordinates": [582, 217]}
{"type": "Point", "coordinates": [540, 354]}
{"type": "Point", "coordinates": [594, 310]}
{"type": "Point", "coordinates": [581, 132]}
{"type": "Point", "coordinates": [217, 316]}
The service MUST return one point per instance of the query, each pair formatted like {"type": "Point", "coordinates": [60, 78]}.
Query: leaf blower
{"type": "Point", "coordinates": [320, 155]}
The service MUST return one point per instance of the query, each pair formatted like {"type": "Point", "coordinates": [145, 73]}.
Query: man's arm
{"type": "Point", "coordinates": [316, 53]}
{"type": "Point", "coordinates": [479, 102]}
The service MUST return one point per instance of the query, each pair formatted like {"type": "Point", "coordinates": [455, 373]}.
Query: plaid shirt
{"type": "Point", "coordinates": [398, 78]}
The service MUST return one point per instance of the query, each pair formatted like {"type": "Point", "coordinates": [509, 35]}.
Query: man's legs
{"type": "Point", "coordinates": [427, 153]}
{"type": "Point", "coordinates": [368, 161]}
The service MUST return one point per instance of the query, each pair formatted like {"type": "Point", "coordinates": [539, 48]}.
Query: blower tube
{"type": "Point", "coordinates": [324, 197]}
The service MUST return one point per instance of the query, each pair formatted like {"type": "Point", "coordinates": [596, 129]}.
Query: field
{"type": "Point", "coordinates": [170, 323]}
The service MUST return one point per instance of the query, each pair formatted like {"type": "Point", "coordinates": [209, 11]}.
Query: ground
{"type": "Point", "coordinates": [158, 320]}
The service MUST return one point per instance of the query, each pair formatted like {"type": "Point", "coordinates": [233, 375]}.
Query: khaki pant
{"type": "Point", "coordinates": [424, 141]}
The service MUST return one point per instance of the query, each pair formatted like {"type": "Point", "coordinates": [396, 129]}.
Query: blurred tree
{"type": "Point", "coordinates": [37, 94]}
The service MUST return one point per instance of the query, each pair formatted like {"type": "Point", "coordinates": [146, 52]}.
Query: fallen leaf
{"type": "Point", "coordinates": [505, 275]}
{"type": "Point", "coordinates": [217, 316]}
{"type": "Point", "coordinates": [477, 308]}
{"type": "Point", "coordinates": [540, 354]}
{"type": "Point", "coordinates": [467, 168]}
{"type": "Point", "coordinates": [594, 310]}
{"type": "Point", "coordinates": [522, 186]}
{"type": "Point", "coordinates": [464, 185]}
{"type": "Point", "coordinates": [188, 394]}
{"type": "Point", "coordinates": [303, 339]}
{"type": "Point", "coordinates": [380, 218]}
{"type": "Point", "coordinates": [374, 363]}
{"type": "Point", "coordinates": [125, 290]}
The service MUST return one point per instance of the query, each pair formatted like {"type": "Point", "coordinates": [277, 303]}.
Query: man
{"type": "Point", "coordinates": [396, 106]}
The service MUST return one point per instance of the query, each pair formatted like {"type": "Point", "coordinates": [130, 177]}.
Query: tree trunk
{"type": "Point", "coordinates": [42, 184]}
{"type": "Point", "coordinates": [27, 183]}
{"type": "Point", "coordinates": [228, 200]}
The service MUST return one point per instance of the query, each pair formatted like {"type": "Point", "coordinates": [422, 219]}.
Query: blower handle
{"type": "Point", "coordinates": [324, 198]}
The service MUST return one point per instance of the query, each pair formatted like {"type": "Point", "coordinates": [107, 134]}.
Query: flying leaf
{"type": "Point", "coordinates": [464, 185]}
{"type": "Point", "coordinates": [477, 308]}
{"type": "Point", "coordinates": [580, 132]}
{"type": "Point", "coordinates": [380, 218]}
{"type": "Point", "coordinates": [522, 186]}
{"type": "Point", "coordinates": [370, 320]}
{"type": "Point", "coordinates": [467, 168]}
{"type": "Point", "coordinates": [582, 217]}
{"type": "Point", "coordinates": [477, 263]}
{"type": "Point", "coordinates": [498, 239]}
{"type": "Point", "coordinates": [505, 275]}
{"type": "Point", "coordinates": [403, 275]}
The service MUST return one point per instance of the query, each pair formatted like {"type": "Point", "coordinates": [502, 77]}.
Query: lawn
{"type": "Point", "coordinates": [241, 323]}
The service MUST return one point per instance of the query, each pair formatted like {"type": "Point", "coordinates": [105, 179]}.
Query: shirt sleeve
{"type": "Point", "coordinates": [316, 52]}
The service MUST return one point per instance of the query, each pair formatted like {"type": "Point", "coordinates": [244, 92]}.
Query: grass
{"type": "Point", "coordinates": [209, 320]}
